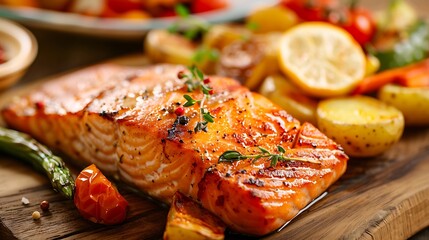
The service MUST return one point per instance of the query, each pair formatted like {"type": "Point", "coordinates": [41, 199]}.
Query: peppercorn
{"type": "Point", "coordinates": [179, 111]}
{"type": "Point", "coordinates": [211, 92]}
{"type": "Point", "coordinates": [181, 75]}
{"type": "Point", "coordinates": [183, 120]}
{"type": "Point", "coordinates": [44, 205]}
{"type": "Point", "coordinates": [40, 105]}
{"type": "Point", "coordinates": [35, 215]}
{"type": "Point", "coordinates": [207, 81]}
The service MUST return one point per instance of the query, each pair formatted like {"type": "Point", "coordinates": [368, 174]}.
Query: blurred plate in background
{"type": "Point", "coordinates": [119, 28]}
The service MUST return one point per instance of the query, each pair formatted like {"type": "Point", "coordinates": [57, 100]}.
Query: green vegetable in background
{"type": "Point", "coordinates": [399, 16]}
{"type": "Point", "coordinates": [24, 147]}
{"type": "Point", "coordinates": [408, 47]}
{"type": "Point", "coordinates": [402, 38]}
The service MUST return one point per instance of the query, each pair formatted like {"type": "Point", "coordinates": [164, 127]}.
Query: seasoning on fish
{"type": "Point", "coordinates": [122, 118]}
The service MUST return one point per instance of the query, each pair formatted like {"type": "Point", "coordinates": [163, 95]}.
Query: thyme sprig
{"type": "Point", "coordinates": [274, 158]}
{"type": "Point", "coordinates": [204, 54]}
{"type": "Point", "coordinates": [196, 81]}
{"type": "Point", "coordinates": [193, 28]}
{"type": "Point", "coordinates": [190, 26]}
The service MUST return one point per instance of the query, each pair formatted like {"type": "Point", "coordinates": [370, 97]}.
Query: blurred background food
{"type": "Point", "coordinates": [127, 9]}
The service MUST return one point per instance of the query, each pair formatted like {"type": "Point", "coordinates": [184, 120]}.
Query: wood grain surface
{"type": "Point", "coordinates": [386, 197]}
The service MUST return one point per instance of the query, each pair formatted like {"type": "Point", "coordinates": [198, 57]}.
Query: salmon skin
{"type": "Point", "coordinates": [122, 119]}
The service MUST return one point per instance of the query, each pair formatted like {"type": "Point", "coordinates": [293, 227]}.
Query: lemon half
{"type": "Point", "coordinates": [322, 59]}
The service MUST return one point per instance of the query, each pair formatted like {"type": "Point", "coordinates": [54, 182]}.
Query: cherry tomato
{"type": "Point", "coordinates": [167, 13]}
{"type": "Point", "coordinates": [2, 55]}
{"type": "Point", "coordinates": [58, 5]}
{"type": "Point", "coordinates": [360, 25]}
{"type": "Point", "coordinates": [121, 6]}
{"type": "Point", "coordinates": [358, 22]}
{"type": "Point", "coordinates": [311, 10]}
{"type": "Point", "coordinates": [97, 199]}
{"type": "Point", "coordinates": [199, 6]}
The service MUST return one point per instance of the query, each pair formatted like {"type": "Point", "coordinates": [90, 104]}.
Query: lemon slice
{"type": "Point", "coordinates": [322, 59]}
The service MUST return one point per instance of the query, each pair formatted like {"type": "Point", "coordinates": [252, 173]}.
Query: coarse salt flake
{"type": "Point", "coordinates": [25, 201]}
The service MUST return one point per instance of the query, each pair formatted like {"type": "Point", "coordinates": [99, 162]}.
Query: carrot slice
{"type": "Point", "coordinates": [374, 82]}
{"type": "Point", "coordinates": [415, 78]}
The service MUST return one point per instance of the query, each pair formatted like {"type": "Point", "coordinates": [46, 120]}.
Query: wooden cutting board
{"type": "Point", "coordinates": [386, 197]}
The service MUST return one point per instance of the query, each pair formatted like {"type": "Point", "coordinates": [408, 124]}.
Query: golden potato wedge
{"type": "Point", "coordinates": [250, 61]}
{"type": "Point", "coordinates": [363, 126]}
{"type": "Point", "coordinates": [372, 65]}
{"type": "Point", "coordinates": [412, 102]}
{"type": "Point", "coordinates": [272, 19]}
{"type": "Point", "coordinates": [220, 36]}
{"type": "Point", "coordinates": [164, 47]}
{"type": "Point", "coordinates": [188, 220]}
{"type": "Point", "coordinates": [282, 92]}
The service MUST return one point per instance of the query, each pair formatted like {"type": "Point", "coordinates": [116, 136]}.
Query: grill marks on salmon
{"type": "Point", "coordinates": [119, 118]}
{"type": "Point", "coordinates": [279, 192]}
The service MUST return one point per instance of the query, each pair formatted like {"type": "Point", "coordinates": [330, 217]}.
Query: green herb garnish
{"type": "Point", "coordinates": [196, 81]}
{"type": "Point", "coordinates": [232, 156]}
{"type": "Point", "coordinates": [189, 26]}
{"type": "Point", "coordinates": [202, 54]}
{"type": "Point", "coordinates": [252, 26]}
{"type": "Point", "coordinates": [182, 11]}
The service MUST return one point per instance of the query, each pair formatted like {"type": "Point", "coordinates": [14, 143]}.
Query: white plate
{"type": "Point", "coordinates": [70, 22]}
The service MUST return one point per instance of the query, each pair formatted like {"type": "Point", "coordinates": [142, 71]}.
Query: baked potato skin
{"type": "Point", "coordinates": [250, 61]}
{"type": "Point", "coordinates": [283, 93]}
{"type": "Point", "coordinates": [188, 220]}
{"type": "Point", "coordinates": [412, 102]}
{"type": "Point", "coordinates": [272, 19]}
{"type": "Point", "coordinates": [363, 126]}
{"type": "Point", "coordinates": [164, 47]}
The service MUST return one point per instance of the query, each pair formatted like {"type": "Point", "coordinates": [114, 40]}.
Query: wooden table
{"type": "Point", "coordinates": [60, 52]}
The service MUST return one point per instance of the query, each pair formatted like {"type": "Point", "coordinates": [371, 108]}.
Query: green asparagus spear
{"type": "Point", "coordinates": [24, 147]}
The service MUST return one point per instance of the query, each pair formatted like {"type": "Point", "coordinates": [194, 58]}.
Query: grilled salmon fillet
{"type": "Point", "coordinates": [122, 119]}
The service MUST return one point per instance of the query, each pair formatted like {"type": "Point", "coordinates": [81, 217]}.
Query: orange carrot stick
{"type": "Point", "coordinates": [415, 78]}
{"type": "Point", "coordinates": [374, 82]}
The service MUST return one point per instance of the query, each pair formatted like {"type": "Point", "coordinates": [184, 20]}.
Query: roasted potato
{"type": "Point", "coordinates": [271, 19]}
{"type": "Point", "coordinates": [372, 65]}
{"type": "Point", "coordinates": [164, 47]}
{"type": "Point", "coordinates": [412, 102]}
{"type": "Point", "coordinates": [282, 92]}
{"type": "Point", "coordinates": [220, 36]}
{"type": "Point", "coordinates": [188, 220]}
{"type": "Point", "coordinates": [250, 61]}
{"type": "Point", "coordinates": [363, 126]}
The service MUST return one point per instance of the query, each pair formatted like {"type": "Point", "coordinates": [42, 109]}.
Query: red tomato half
{"type": "Point", "coordinates": [199, 6]}
{"type": "Point", "coordinates": [310, 10]}
{"type": "Point", "coordinates": [121, 6]}
{"type": "Point", "coordinates": [167, 13]}
{"type": "Point", "coordinates": [97, 199]}
{"type": "Point", "coordinates": [360, 25]}
{"type": "Point", "coordinates": [2, 55]}
{"type": "Point", "coordinates": [358, 22]}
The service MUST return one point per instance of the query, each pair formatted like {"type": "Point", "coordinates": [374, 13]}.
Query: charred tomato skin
{"type": "Point", "coordinates": [97, 199]}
